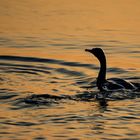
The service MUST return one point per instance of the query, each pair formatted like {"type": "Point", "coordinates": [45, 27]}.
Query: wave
{"type": "Point", "coordinates": [60, 62]}
{"type": "Point", "coordinates": [102, 98]}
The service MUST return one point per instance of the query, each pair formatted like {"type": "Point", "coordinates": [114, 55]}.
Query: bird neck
{"type": "Point", "coordinates": [102, 73]}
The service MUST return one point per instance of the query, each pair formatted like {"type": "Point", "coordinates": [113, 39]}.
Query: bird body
{"type": "Point", "coordinates": [117, 84]}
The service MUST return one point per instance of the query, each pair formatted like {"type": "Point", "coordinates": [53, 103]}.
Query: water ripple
{"type": "Point", "coordinates": [54, 61]}
{"type": "Point", "coordinates": [43, 60]}
{"type": "Point", "coordinates": [69, 72]}
{"type": "Point", "coordinates": [20, 123]}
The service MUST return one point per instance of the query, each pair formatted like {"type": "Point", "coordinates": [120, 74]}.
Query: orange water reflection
{"type": "Point", "coordinates": [65, 29]}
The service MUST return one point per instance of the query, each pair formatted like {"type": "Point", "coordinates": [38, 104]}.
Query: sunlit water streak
{"type": "Point", "coordinates": [44, 70]}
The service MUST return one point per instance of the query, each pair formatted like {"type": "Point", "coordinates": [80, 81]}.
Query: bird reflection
{"type": "Point", "coordinates": [102, 104]}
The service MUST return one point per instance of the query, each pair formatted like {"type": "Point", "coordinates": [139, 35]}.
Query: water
{"type": "Point", "coordinates": [44, 69]}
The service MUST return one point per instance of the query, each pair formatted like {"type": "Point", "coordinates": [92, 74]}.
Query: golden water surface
{"type": "Point", "coordinates": [42, 45]}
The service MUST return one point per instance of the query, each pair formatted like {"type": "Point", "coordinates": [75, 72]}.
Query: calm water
{"type": "Point", "coordinates": [43, 69]}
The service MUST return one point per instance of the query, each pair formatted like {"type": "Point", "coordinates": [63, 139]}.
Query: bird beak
{"type": "Point", "coordinates": [88, 50]}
